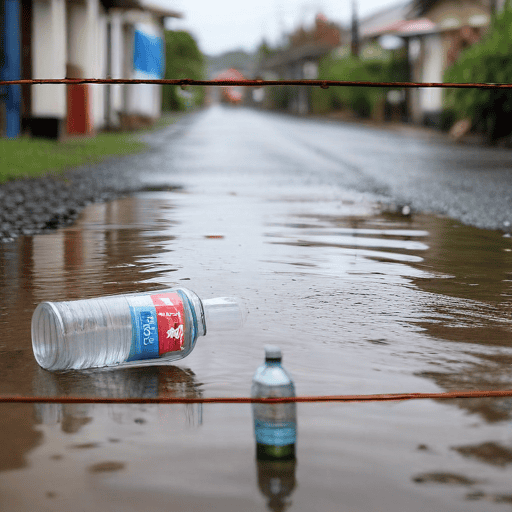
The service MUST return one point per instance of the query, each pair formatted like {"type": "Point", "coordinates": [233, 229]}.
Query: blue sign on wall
{"type": "Point", "coordinates": [148, 55]}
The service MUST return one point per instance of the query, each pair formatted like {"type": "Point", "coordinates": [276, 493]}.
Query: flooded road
{"type": "Point", "coordinates": [361, 299]}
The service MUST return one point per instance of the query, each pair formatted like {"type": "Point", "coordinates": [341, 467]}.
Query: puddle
{"type": "Point", "coordinates": [360, 300]}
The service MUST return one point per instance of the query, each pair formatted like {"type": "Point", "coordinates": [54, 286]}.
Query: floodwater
{"type": "Point", "coordinates": [361, 300]}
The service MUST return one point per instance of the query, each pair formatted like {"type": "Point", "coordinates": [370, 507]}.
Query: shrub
{"type": "Point", "coordinates": [489, 60]}
{"type": "Point", "coordinates": [183, 59]}
{"type": "Point", "coordinates": [362, 100]}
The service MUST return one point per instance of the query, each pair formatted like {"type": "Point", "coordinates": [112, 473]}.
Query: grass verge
{"type": "Point", "coordinates": [25, 157]}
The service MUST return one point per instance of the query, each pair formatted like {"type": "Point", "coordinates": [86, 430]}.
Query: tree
{"type": "Point", "coordinates": [183, 59]}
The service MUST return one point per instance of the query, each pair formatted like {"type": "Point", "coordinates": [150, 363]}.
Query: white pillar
{"type": "Point", "coordinates": [116, 63]}
{"type": "Point", "coordinates": [431, 99]}
{"type": "Point", "coordinates": [49, 57]}
{"type": "Point", "coordinates": [100, 69]}
{"type": "Point", "coordinates": [94, 58]}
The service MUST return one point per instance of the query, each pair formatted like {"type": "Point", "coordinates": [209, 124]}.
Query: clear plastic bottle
{"type": "Point", "coordinates": [130, 329]}
{"type": "Point", "coordinates": [275, 424]}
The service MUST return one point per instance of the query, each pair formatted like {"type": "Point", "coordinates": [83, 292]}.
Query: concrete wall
{"type": "Point", "coordinates": [86, 42]}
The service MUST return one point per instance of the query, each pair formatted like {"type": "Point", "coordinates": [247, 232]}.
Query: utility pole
{"type": "Point", "coordinates": [355, 30]}
{"type": "Point", "coordinates": [492, 4]}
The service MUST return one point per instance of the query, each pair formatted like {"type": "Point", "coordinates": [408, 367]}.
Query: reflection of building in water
{"type": "Point", "coordinates": [19, 436]}
{"type": "Point", "coordinates": [465, 302]}
{"type": "Point", "coordinates": [147, 382]}
{"type": "Point", "coordinates": [106, 252]}
{"type": "Point", "coordinates": [276, 480]}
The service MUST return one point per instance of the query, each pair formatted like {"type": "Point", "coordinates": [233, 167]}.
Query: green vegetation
{"type": "Point", "coordinates": [238, 59]}
{"type": "Point", "coordinates": [486, 61]}
{"type": "Point", "coordinates": [374, 65]}
{"type": "Point", "coordinates": [26, 157]}
{"type": "Point", "coordinates": [183, 59]}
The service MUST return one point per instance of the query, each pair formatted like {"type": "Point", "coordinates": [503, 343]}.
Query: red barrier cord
{"type": "Point", "coordinates": [324, 84]}
{"type": "Point", "coordinates": [388, 397]}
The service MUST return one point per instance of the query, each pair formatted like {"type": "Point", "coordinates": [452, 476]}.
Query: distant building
{"type": "Point", "coordinates": [435, 32]}
{"type": "Point", "coordinates": [231, 94]}
{"type": "Point", "coordinates": [81, 39]}
{"type": "Point", "coordinates": [302, 57]}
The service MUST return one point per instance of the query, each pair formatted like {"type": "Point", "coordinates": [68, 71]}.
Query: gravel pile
{"type": "Point", "coordinates": [32, 206]}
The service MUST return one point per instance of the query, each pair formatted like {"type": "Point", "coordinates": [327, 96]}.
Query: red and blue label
{"type": "Point", "coordinates": [158, 324]}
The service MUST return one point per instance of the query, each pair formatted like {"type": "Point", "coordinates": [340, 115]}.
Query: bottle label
{"type": "Point", "coordinates": [158, 325]}
{"type": "Point", "coordinates": [275, 433]}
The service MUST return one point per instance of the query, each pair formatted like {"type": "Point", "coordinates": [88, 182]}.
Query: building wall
{"type": "Point", "coordinates": [88, 40]}
{"type": "Point", "coordinates": [69, 38]}
{"type": "Point", "coordinates": [456, 13]}
{"type": "Point", "coordinates": [77, 38]}
{"type": "Point", "coordinates": [461, 23]}
{"type": "Point", "coordinates": [142, 100]}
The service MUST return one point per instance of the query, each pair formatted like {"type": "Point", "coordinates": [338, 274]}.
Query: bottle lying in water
{"type": "Point", "coordinates": [141, 328]}
{"type": "Point", "coordinates": [275, 424]}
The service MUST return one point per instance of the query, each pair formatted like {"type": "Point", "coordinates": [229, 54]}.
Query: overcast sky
{"type": "Point", "coordinates": [221, 25]}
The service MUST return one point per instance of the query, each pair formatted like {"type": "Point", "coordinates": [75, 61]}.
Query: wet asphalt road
{"type": "Point", "coordinates": [410, 168]}
{"type": "Point", "coordinates": [472, 184]}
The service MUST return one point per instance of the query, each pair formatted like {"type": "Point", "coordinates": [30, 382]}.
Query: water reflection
{"type": "Point", "coordinates": [147, 382]}
{"type": "Point", "coordinates": [476, 312]}
{"type": "Point", "coordinates": [462, 275]}
{"type": "Point", "coordinates": [110, 250]}
{"type": "Point", "coordinates": [362, 304]}
{"type": "Point", "coordinates": [115, 254]}
{"type": "Point", "coordinates": [18, 435]}
{"type": "Point", "coordinates": [275, 432]}
{"type": "Point", "coordinates": [276, 480]}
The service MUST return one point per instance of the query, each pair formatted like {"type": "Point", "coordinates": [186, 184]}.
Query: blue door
{"type": "Point", "coordinates": [10, 63]}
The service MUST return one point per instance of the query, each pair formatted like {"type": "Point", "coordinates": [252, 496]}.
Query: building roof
{"type": "Point", "coordinates": [405, 28]}
{"type": "Point", "coordinates": [373, 24]}
{"type": "Point", "coordinates": [160, 11]}
{"type": "Point", "coordinates": [141, 5]}
{"type": "Point", "coordinates": [310, 51]}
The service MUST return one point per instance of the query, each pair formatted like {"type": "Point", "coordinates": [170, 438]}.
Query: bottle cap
{"type": "Point", "coordinates": [224, 313]}
{"type": "Point", "coordinates": [272, 352]}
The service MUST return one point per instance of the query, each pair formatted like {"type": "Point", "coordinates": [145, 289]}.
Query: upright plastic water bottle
{"type": "Point", "coordinates": [139, 328]}
{"type": "Point", "coordinates": [275, 424]}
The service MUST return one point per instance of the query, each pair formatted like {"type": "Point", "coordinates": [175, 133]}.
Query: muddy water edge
{"type": "Point", "coordinates": [360, 299]}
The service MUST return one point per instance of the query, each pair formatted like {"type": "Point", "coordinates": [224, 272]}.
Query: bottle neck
{"type": "Point", "coordinates": [273, 362]}
{"type": "Point", "coordinates": [197, 311]}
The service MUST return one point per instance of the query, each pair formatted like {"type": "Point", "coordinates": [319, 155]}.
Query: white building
{"type": "Point", "coordinates": [435, 33]}
{"type": "Point", "coordinates": [95, 39]}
